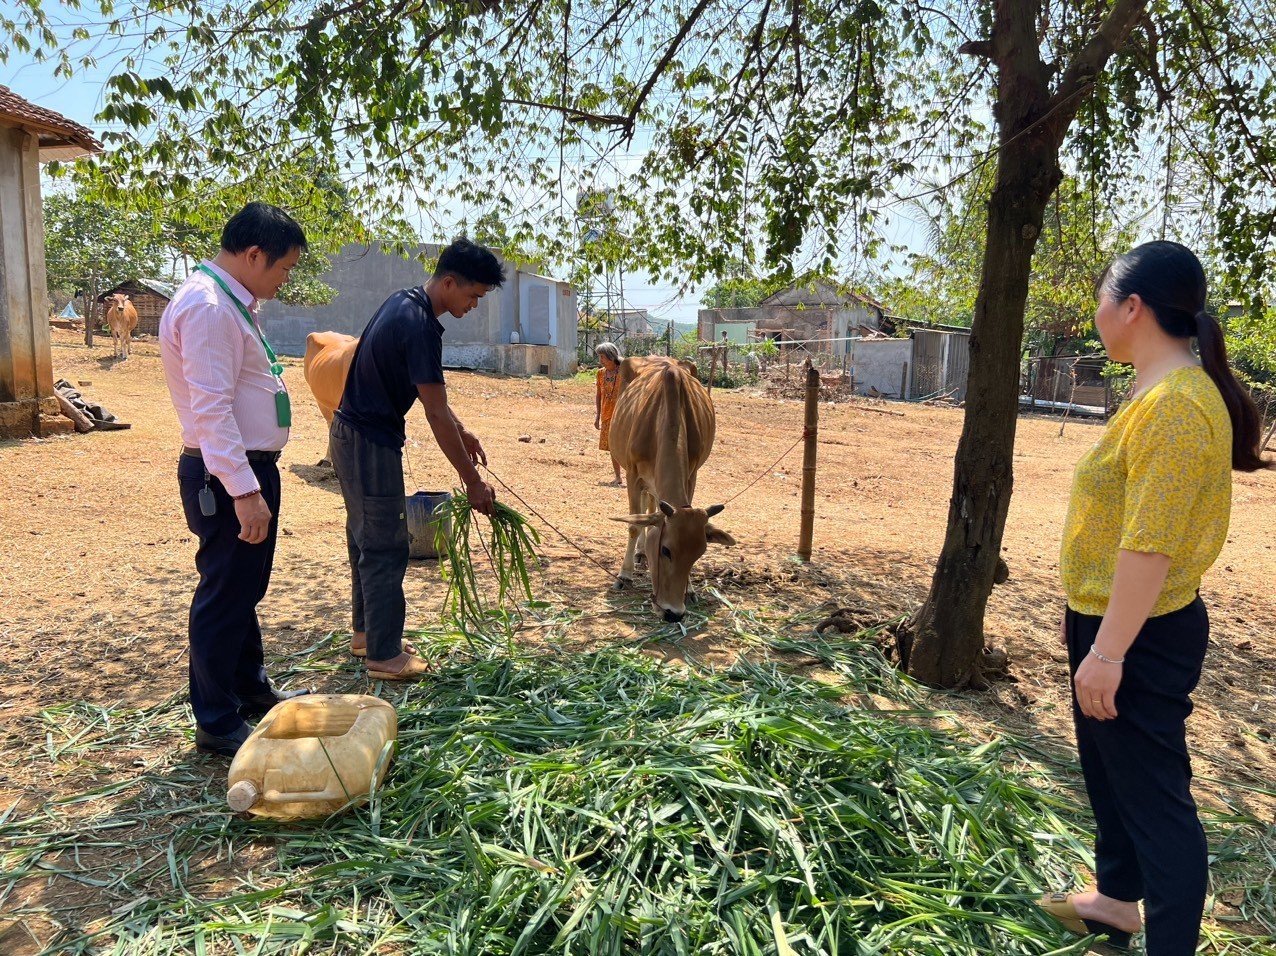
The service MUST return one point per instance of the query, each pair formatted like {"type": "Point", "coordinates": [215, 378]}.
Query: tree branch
{"type": "Point", "coordinates": [795, 31]}
{"type": "Point", "coordinates": [577, 116]}
{"type": "Point", "coordinates": [1256, 148]}
{"type": "Point", "coordinates": [981, 48]}
{"type": "Point", "coordinates": [1089, 63]}
{"type": "Point", "coordinates": [663, 65]}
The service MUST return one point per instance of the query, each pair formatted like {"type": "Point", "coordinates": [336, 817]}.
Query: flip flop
{"type": "Point", "coordinates": [363, 651]}
{"type": "Point", "coordinates": [1059, 906]}
{"type": "Point", "coordinates": [414, 669]}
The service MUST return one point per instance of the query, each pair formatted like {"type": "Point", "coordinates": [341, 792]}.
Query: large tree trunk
{"type": "Point", "coordinates": [947, 636]}
{"type": "Point", "coordinates": [943, 643]}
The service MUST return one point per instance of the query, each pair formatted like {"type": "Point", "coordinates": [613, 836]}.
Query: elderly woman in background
{"type": "Point", "coordinates": [606, 390]}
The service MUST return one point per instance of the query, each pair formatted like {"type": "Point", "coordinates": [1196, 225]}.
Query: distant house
{"type": "Point", "coordinates": [149, 296]}
{"type": "Point", "coordinates": [627, 321]}
{"type": "Point", "coordinates": [527, 327]}
{"type": "Point", "coordinates": [817, 311]}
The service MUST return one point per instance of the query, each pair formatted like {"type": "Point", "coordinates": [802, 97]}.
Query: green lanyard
{"type": "Point", "coordinates": [283, 404]}
{"type": "Point", "coordinates": [276, 369]}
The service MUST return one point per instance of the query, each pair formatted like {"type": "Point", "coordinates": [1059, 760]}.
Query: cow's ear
{"type": "Point", "coordinates": [640, 521]}
{"type": "Point", "coordinates": [717, 536]}
{"type": "Point", "coordinates": [667, 508]}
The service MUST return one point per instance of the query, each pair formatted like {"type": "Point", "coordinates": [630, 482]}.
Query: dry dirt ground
{"type": "Point", "coordinates": [98, 563]}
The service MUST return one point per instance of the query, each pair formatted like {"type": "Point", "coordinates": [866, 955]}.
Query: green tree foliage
{"type": "Point", "coordinates": [740, 291]}
{"type": "Point", "coordinates": [1251, 344]}
{"type": "Point", "coordinates": [1080, 235]}
{"type": "Point", "coordinates": [792, 128]}
{"type": "Point", "coordinates": [88, 241]}
{"type": "Point", "coordinates": [90, 246]}
{"type": "Point", "coordinates": [186, 226]}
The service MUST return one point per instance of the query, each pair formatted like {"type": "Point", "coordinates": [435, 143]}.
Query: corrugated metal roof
{"type": "Point", "coordinates": [158, 286]}
{"type": "Point", "coordinates": [60, 138]}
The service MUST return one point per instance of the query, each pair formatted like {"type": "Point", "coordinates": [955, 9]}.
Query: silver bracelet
{"type": "Point", "coordinates": [1107, 660]}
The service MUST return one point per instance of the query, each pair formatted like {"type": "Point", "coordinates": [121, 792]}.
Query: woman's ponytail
{"type": "Point", "coordinates": [1246, 424]}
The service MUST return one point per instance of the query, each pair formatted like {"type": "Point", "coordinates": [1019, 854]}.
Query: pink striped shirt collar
{"type": "Point", "coordinates": [235, 285]}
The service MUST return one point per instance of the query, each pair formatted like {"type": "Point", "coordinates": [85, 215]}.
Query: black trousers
{"type": "Point", "coordinates": [226, 660]}
{"type": "Point", "coordinates": [371, 477]}
{"type": "Point", "coordinates": [1149, 845]}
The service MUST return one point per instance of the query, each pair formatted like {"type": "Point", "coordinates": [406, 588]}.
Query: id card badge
{"type": "Point", "coordinates": [283, 409]}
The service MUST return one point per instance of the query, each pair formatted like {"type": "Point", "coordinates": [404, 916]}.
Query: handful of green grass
{"type": "Point", "coordinates": [510, 546]}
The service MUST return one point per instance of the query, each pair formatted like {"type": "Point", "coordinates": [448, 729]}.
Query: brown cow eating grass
{"type": "Point", "coordinates": [661, 433]}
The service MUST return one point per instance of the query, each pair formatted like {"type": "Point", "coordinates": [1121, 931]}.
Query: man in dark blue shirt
{"type": "Point", "coordinates": [398, 361]}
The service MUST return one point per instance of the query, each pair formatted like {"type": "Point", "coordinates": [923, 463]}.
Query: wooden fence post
{"type": "Point", "coordinates": [809, 431]}
{"type": "Point", "coordinates": [903, 383]}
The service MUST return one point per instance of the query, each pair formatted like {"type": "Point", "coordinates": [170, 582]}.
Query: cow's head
{"type": "Point", "coordinates": [118, 301]}
{"type": "Point", "coordinates": [674, 540]}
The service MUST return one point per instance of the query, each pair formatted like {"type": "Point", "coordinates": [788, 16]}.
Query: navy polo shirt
{"type": "Point", "coordinates": [401, 348]}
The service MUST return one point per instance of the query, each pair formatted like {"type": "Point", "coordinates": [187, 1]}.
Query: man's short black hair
{"type": "Point", "coordinates": [268, 227]}
{"type": "Point", "coordinates": [470, 262]}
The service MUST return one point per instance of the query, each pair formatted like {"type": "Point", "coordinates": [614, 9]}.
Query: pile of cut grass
{"type": "Point", "coordinates": [598, 803]}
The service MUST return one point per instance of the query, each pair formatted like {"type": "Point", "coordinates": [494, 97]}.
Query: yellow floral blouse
{"type": "Point", "coordinates": [1159, 480]}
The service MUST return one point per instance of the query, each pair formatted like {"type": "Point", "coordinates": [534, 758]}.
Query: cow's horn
{"type": "Point", "coordinates": [667, 508]}
{"type": "Point", "coordinates": [713, 510]}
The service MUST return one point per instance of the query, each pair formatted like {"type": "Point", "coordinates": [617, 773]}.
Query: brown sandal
{"type": "Point", "coordinates": [1059, 906]}
{"type": "Point", "coordinates": [414, 669]}
{"type": "Point", "coordinates": [362, 652]}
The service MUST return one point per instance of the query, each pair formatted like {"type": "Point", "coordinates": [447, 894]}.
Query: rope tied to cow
{"type": "Point", "coordinates": [768, 469]}
{"type": "Point", "coordinates": [549, 524]}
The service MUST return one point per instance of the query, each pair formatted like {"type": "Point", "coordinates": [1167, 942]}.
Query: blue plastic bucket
{"type": "Point", "coordinates": [422, 522]}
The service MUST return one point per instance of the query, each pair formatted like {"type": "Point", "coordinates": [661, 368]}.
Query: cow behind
{"type": "Point", "coordinates": [326, 365]}
{"type": "Point", "coordinates": [122, 318]}
{"type": "Point", "coordinates": [661, 433]}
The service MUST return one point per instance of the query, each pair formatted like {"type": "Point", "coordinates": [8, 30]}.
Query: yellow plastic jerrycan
{"type": "Point", "coordinates": [311, 756]}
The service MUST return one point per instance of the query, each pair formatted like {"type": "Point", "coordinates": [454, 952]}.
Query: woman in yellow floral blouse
{"type": "Point", "coordinates": [607, 387]}
{"type": "Point", "coordinates": [1148, 516]}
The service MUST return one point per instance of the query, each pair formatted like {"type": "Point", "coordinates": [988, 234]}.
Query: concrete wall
{"type": "Point", "coordinates": [536, 310]}
{"type": "Point", "coordinates": [710, 322]}
{"type": "Point", "coordinates": [879, 364]}
{"type": "Point", "coordinates": [27, 405]}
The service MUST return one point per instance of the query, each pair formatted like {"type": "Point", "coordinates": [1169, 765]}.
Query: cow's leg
{"type": "Point", "coordinates": [634, 493]}
{"type": "Point", "coordinates": [691, 496]}
{"type": "Point", "coordinates": [648, 505]}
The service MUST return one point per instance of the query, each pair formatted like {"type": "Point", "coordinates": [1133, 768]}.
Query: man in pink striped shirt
{"type": "Point", "coordinates": [227, 388]}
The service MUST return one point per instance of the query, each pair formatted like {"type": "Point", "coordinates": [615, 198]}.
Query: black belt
{"type": "Point", "coordinates": [250, 455]}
